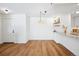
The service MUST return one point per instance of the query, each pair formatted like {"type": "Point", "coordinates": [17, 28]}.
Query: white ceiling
{"type": "Point", "coordinates": [33, 9]}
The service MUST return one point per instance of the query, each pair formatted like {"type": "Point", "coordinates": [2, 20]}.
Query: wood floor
{"type": "Point", "coordinates": [35, 48]}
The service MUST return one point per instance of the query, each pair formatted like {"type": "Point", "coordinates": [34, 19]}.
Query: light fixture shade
{"type": "Point", "coordinates": [77, 12]}
{"type": "Point", "coordinates": [5, 11]}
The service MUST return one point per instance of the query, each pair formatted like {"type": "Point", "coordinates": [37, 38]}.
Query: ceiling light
{"type": "Point", "coordinates": [4, 11]}
{"type": "Point", "coordinates": [77, 12]}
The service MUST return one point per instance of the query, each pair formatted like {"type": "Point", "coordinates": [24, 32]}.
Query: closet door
{"type": "Point", "coordinates": [14, 28]}
{"type": "Point", "coordinates": [8, 32]}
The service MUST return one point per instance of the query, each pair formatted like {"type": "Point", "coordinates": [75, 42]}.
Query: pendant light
{"type": "Point", "coordinates": [41, 14]}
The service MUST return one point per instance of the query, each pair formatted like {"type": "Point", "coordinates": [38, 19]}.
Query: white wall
{"type": "Point", "coordinates": [40, 31]}
{"type": "Point", "coordinates": [0, 30]}
{"type": "Point", "coordinates": [16, 22]}
{"type": "Point", "coordinates": [75, 20]}
{"type": "Point", "coordinates": [27, 27]}
{"type": "Point", "coordinates": [44, 30]}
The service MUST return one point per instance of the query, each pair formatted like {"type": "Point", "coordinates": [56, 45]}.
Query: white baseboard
{"type": "Point", "coordinates": [22, 42]}
{"type": "Point", "coordinates": [41, 39]}
{"type": "Point", "coordinates": [17, 42]}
